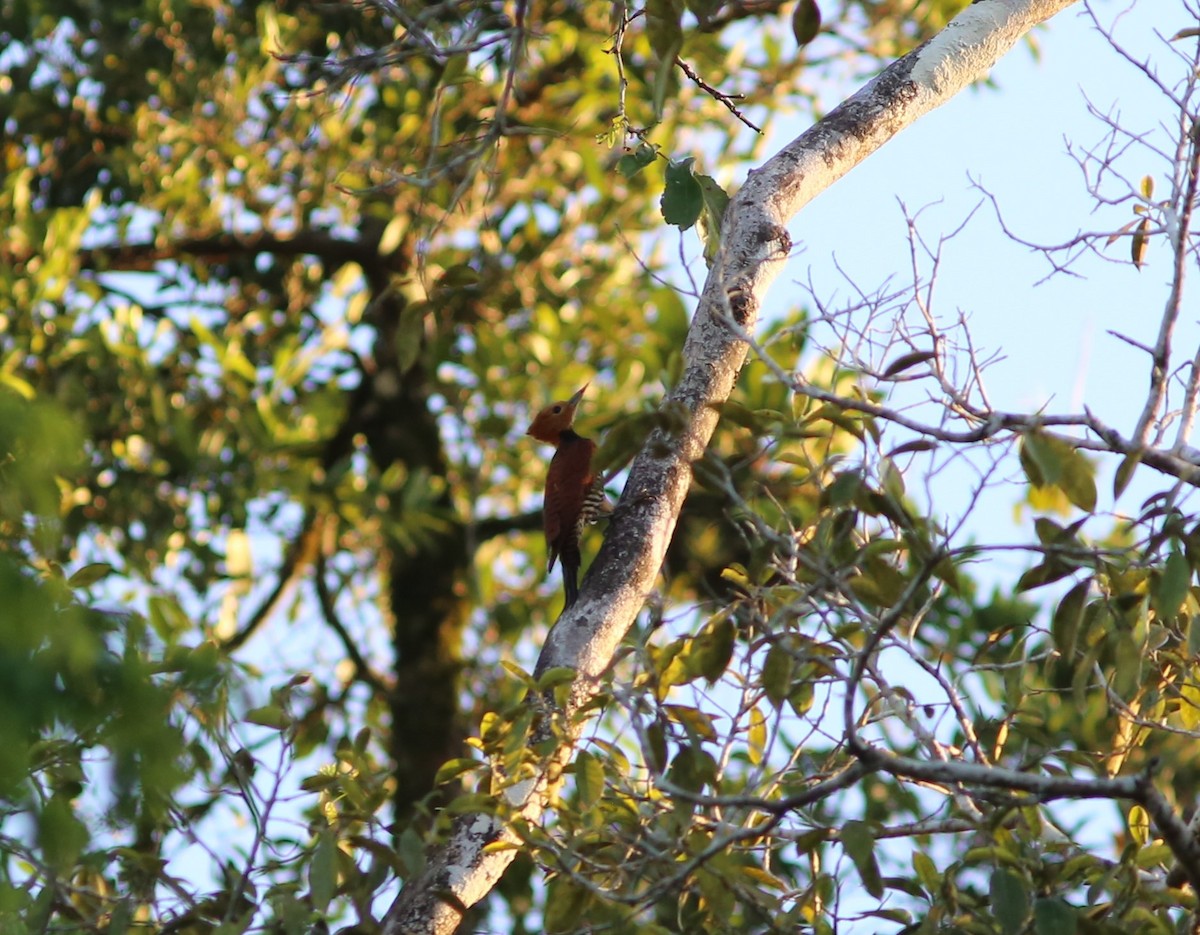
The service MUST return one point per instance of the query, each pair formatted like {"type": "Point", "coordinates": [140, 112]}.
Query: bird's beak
{"type": "Point", "coordinates": [574, 400]}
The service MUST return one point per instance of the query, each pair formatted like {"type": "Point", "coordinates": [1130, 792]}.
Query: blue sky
{"type": "Point", "coordinates": [1021, 141]}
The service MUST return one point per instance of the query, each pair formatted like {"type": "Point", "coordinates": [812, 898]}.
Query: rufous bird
{"type": "Point", "coordinates": [574, 494]}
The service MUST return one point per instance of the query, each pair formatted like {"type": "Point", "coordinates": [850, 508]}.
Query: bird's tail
{"type": "Point", "coordinates": [570, 572]}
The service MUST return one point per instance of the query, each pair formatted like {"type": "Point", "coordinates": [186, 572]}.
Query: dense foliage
{"type": "Point", "coordinates": [281, 285]}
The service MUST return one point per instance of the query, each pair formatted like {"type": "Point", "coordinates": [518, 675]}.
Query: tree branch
{"type": "Point", "coordinates": [727, 99]}
{"type": "Point", "coordinates": [755, 246]}
{"type": "Point", "coordinates": [300, 556]}
{"type": "Point", "coordinates": [362, 668]}
{"type": "Point", "coordinates": [140, 257]}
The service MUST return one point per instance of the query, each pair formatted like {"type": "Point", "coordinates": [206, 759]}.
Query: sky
{"type": "Point", "coordinates": [1021, 142]}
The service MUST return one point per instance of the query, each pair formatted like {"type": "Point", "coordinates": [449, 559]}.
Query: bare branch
{"type": "Point", "coordinates": [722, 98]}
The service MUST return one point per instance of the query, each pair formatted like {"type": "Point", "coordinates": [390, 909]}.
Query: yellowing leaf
{"type": "Point", "coordinates": [89, 574]}
{"type": "Point", "coordinates": [756, 738]}
{"type": "Point", "coordinates": [589, 779]}
{"type": "Point", "coordinates": [451, 769]}
{"type": "Point", "coordinates": [1139, 243]}
{"type": "Point", "coordinates": [695, 722]}
{"type": "Point", "coordinates": [1139, 825]}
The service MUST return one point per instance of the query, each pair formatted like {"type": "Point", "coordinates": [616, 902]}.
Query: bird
{"type": "Point", "coordinates": [574, 492]}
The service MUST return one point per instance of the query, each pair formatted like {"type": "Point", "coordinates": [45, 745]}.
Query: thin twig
{"type": "Point", "coordinates": [726, 99]}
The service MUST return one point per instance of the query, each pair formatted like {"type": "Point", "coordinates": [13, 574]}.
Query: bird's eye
{"type": "Point", "coordinates": [557, 410]}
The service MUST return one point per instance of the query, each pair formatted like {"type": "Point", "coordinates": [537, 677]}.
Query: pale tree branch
{"type": "Point", "coordinates": [755, 246]}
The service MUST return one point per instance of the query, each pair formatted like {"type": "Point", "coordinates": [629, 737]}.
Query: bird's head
{"type": "Point", "coordinates": [555, 419]}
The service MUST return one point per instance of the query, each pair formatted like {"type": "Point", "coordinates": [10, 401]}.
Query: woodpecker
{"type": "Point", "coordinates": [574, 494]}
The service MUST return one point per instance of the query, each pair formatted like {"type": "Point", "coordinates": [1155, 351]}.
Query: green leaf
{"type": "Point", "coordinates": [904, 361]}
{"type": "Point", "coordinates": [682, 198]}
{"type": "Point", "coordinates": [1079, 481]}
{"type": "Point", "coordinates": [629, 166]}
{"type": "Point", "coordinates": [806, 22]}
{"type": "Point", "coordinates": [703, 9]}
{"type": "Point", "coordinates": [1010, 901]}
{"type": "Point", "coordinates": [1054, 917]}
{"type": "Point", "coordinates": [1048, 531]}
{"type": "Point", "coordinates": [1049, 571]}
{"type": "Point", "coordinates": [926, 871]}
{"type": "Point", "coordinates": [918, 444]}
{"type": "Point", "coordinates": [566, 904]}
{"type": "Point", "coordinates": [1171, 587]}
{"type": "Point", "coordinates": [859, 842]}
{"type": "Point", "coordinates": [1125, 472]}
{"type": "Point", "coordinates": [880, 584]}
{"type": "Point", "coordinates": [697, 723]}
{"type": "Point", "coordinates": [268, 716]}
{"type": "Point", "coordinates": [61, 835]}
{"type": "Point", "coordinates": [665, 81]}
{"type": "Point", "coordinates": [664, 28]}
{"type": "Point", "coordinates": [1064, 626]}
{"type": "Point", "coordinates": [709, 223]}
{"type": "Point", "coordinates": [554, 677]}
{"type": "Point", "coordinates": [777, 674]}
{"type": "Point", "coordinates": [713, 648]}
{"type": "Point", "coordinates": [322, 870]}
{"type": "Point", "coordinates": [654, 747]}
{"type": "Point", "coordinates": [843, 489]}
{"type": "Point", "coordinates": [692, 768]}
{"type": "Point", "coordinates": [632, 163]}
{"type": "Point", "coordinates": [410, 335]}
{"type": "Point", "coordinates": [1054, 462]}
{"type": "Point", "coordinates": [1193, 635]}
{"type": "Point", "coordinates": [451, 769]}
{"type": "Point", "coordinates": [589, 779]}
{"type": "Point", "coordinates": [89, 574]}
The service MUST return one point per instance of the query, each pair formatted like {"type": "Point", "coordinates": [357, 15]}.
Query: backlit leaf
{"type": "Point", "coordinates": [589, 779]}
{"type": "Point", "coordinates": [1139, 243]}
{"type": "Point", "coordinates": [89, 574]}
